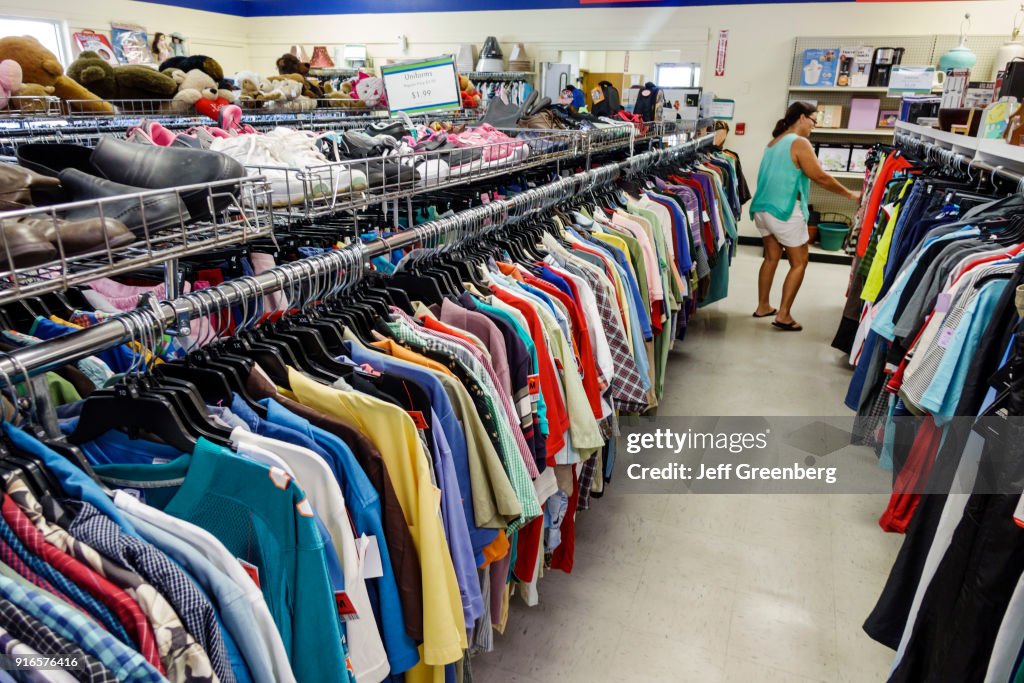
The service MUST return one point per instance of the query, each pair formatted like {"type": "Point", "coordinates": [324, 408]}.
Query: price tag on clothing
{"type": "Point", "coordinates": [346, 608]}
{"type": "Point", "coordinates": [945, 337]}
{"type": "Point", "coordinates": [418, 419]}
{"type": "Point", "coordinates": [369, 557]}
{"type": "Point", "coordinates": [706, 215]}
{"type": "Point", "coordinates": [137, 494]}
{"type": "Point", "coordinates": [691, 217]}
{"type": "Point", "coordinates": [944, 302]}
{"type": "Point", "coordinates": [252, 570]}
{"type": "Point", "coordinates": [1018, 513]}
{"type": "Point", "coordinates": [533, 381]}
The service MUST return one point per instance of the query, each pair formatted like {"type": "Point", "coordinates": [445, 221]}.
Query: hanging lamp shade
{"type": "Point", "coordinates": [961, 56]}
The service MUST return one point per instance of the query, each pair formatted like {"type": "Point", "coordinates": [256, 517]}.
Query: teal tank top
{"type": "Point", "coordinates": [779, 182]}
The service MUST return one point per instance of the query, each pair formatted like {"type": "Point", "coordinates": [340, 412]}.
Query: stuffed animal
{"type": "Point", "coordinates": [248, 83]}
{"type": "Point", "coordinates": [10, 80]}
{"type": "Point", "coordinates": [39, 66]}
{"type": "Point", "coordinates": [470, 95]}
{"type": "Point", "coordinates": [370, 90]}
{"type": "Point", "coordinates": [32, 97]}
{"type": "Point", "coordinates": [198, 91]}
{"type": "Point", "coordinates": [207, 65]}
{"type": "Point", "coordinates": [124, 82]}
{"type": "Point", "coordinates": [286, 95]}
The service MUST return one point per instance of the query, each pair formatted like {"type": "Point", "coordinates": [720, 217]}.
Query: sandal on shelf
{"type": "Point", "coordinates": [787, 327]}
{"type": "Point", "coordinates": [764, 315]}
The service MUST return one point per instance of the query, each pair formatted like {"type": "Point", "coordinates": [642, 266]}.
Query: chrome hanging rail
{"type": "Point", "coordinates": [341, 266]}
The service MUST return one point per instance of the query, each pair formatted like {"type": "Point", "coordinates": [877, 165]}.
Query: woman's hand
{"type": "Point", "coordinates": [855, 196]}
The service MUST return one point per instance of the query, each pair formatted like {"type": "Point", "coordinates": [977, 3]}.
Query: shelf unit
{"type": "Point", "coordinates": [837, 89]}
{"type": "Point", "coordinates": [492, 76]}
{"type": "Point", "coordinates": [847, 175]}
{"type": "Point", "coordinates": [876, 132]}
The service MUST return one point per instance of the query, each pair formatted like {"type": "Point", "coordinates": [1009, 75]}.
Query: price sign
{"type": "Point", "coordinates": [422, 85]}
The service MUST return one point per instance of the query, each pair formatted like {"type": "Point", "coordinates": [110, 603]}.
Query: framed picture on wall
{"type": "Point", "coordinates": [834, 158]}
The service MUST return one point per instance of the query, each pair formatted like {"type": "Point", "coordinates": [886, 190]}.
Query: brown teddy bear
{"type": "Point", "coordinates": [32, 97]}
{"type": "Point", "coordinates": [125, 82]}
{"type": "Point", "coordinates": [40, 67]}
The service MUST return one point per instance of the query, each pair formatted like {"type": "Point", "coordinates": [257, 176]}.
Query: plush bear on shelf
{"type": "Point", "coordinates": [208, 65]}
{"type": "Point", "coordinates": [40, 67]}
{"type": "Point", "coordinates": [32, 97]}
{"type": "Point", "coordinates": [125, 82]}
{"type": "Point", "coordinates": [287, 94]}
{"type": "Point", "coordinates": [198, 91]}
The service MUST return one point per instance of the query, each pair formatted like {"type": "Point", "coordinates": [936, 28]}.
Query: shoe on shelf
{"type": "Point", "coordinates": [152, 133]}
{"type": "Point", "coordinates": [21, 187]}
{"type": "Point", "coordinates": [164, 167]}
{"type": "Point", "coordinates": [83, 236]}
{"type": "Point", "coordinates": [152, 213]}
{"type": "Point", "coordinates": [22, 245]}
{"type": "Point", "coordinates": [395, 129]}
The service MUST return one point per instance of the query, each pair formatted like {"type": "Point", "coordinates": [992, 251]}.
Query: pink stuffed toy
{"type": "Point", "coordinates": [370, 90]}
{"type": "Point", "coordinates": [10, 80]}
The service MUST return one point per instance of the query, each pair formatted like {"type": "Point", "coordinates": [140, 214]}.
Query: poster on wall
{"type": "Point", "coordinates": [131, 44]}
{"type": "Point", "coordinates": [422, 85]}
{"type": "Point", "coordinates": [97, 42]}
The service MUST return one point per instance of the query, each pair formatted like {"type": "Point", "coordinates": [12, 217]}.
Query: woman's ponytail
{"type": "Point", "coordinates": [793, 114]}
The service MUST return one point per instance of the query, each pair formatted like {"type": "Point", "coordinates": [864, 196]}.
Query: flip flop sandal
{"type": "Point", "coordinates": [764, 315]}
{"type": "Point", "coordinates": [787, 327]}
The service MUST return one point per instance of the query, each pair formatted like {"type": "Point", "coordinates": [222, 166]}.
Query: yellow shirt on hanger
{"type": "Point", "coordinates": [393, 433]}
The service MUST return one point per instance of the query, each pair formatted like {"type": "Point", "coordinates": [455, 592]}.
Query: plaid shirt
{"type": "Point", "coordinates": [126, 664]}
{"type": "Point", "coordinates": [115, 598]}
{"type": "Point", "coordinates": [514, 465]}
{"type": "Point", "coordinates": [97, 530]}
{"type": "Point", "coordinates": [46, 642]}
{"type": "Point", "coordinates": [183, 657]}
{"type": "Point", "coordinates": [627, 387]}
{"type": "Point", "coordinates": [79, 597]}
{"type": "Point", "coordinates": [12, 560]}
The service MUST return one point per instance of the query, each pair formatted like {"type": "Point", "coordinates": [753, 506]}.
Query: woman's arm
{"type": "Point", "coordinates": [809, 164]}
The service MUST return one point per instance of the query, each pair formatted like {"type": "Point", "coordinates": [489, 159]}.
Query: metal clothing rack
{"type": "Point", "coordinates": [954, 160]}
{"type": "Point", "coordinates": [322, 274]}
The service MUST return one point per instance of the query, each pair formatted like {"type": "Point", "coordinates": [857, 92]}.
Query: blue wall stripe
{"type": "Point", "coordinates": [282, 8]}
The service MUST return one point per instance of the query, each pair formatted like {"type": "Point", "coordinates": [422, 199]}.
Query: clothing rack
{"type": "Point", "coordinates": [322, 274]}
{"type": "Point", "coordinates": [933, 150]}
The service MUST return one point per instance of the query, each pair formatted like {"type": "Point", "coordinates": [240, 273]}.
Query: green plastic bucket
{"type": "Point", "coordinates": [832, 235]}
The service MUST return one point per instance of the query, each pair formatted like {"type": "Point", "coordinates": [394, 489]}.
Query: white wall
{"type": "Point", "coordinates": [218, 35]}
{"type": "Point", "coordinates": [759, 54]}
{"type": "Point", "coordinates": [757, 67]}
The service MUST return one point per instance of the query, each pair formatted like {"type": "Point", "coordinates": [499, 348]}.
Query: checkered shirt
{"type": "Point", "coordinates": [46, 642]}
{"type": "Point", "coordinates": [78, 597]}
{"type": "Point", "coordinates": [97, 530]}
{"type": "Point", "coordinates": [126, 664]}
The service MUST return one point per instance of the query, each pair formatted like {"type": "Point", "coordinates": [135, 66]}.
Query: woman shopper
{"type": "Point", "coordinates": [779, 208]}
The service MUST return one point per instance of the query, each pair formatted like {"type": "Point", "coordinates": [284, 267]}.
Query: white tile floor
{"type": "Point", "coordinates": [681, 589]}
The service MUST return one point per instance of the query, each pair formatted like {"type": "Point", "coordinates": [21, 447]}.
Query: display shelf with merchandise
{"type": "Point", "coordinates": [837, 89]}
{"type": "Point", "coordinates": [241, 214]}
{"type": "Point", "coordinates": [877, 132]}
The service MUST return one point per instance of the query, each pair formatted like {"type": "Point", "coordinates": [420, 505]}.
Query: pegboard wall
{"type": "Point", "coordinates": [920, 50]}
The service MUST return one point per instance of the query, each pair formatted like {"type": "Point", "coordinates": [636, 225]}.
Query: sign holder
{"type": "Point", "coordinates": [422, 85]}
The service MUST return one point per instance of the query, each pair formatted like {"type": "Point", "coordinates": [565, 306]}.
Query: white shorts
{"type": "Point", "coordinates": [789, 233]}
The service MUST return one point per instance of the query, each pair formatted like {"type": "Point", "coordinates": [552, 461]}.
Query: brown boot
{"type": "Point", "coordinates": [17, 184]}
{"type": "Point", "coordinates": [78, 237]}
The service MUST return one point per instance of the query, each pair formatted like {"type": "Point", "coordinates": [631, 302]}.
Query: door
{"type": "Point", "coordinates": [554, 78]}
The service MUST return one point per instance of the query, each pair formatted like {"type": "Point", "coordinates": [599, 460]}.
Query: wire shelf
{"type": "Point", "coordinates": [237, 213]}
{"type": "Point", "coordinates": [325, 189]}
